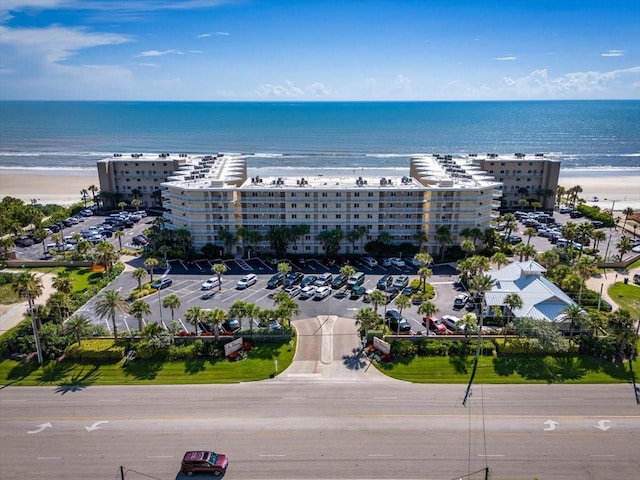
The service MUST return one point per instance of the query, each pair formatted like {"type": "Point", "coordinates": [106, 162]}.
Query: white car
{"type": "Point", "coordinates": [397, 262]}
{"type": "Point", "coordinates": [308, 291]}
{"type": "Point", "coordinates": [636, 249]}
{"type": "Point", "coordinates": [385, 262]}
{"type": "Point", "coordinates": [369, 262]}
{"type": "Point", "coordinates": [322, 292]}
{"type": "Point", "coordinates": [247, 281]}
{"type": "Point", "coordinates": [209, 284]}
{"type": "Point", "coordinates": [292, 291]}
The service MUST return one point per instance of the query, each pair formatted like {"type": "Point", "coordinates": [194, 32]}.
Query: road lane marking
{"type": "Point", "coordinates": [271, 455]}
{"type": "Point", "coordinates": [385, 455]}
{"type": "Point", "coordinates": [48, 458]}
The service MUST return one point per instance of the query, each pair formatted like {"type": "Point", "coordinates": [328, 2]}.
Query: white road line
{"type": "Point", "coordinates": [384, 455]}
{"type": "Point", "coordinates": [491, 455]}
{"type": "Point", "coordinates": [48, 458]}
{"type": "Point", "coordinates": [265, 455]}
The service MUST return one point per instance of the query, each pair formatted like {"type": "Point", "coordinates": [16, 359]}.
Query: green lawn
{"type": "Point", "coordinates": [509, 369]}
{"type": "Point", "coordinates": [259, 365]}
{"type": "Point", "coordinates": [627, 296]}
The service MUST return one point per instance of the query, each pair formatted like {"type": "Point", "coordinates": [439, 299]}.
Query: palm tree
{"type": "Point", "coordinates": [627, 212]}
{"type": "Point", "coordinates": [93, 189]}
{"type": "Point", "coordinates": [216, 317]}
{"type": "Point", "coordinates": [443, 235]}
{"type": "Point", "coordinates": [624, 246]}
{"type": "Point", "coordinates": [420, 237]}
{"type": "Point", "coordinates": [150, 263]}
{"type": "Point", "coordinates": [108, 305]}
{"type": "Point", "coordinates": [402, 301]}
{"type": "Point", "coordinates": [424, 272]}
{"type": "Point", "coordinates": [28, 286]}
{"type": "Point", "coordinates": [79, 326]}
{"type": "Point", "coordinates": [598, 236]}
{"type": "Point", "coordinates": [499, 259]}
{"type": "Point", "coordinates": [119, 234]}
{"type": "Point", "coordinates": [193, 315]}
{"type": "Point", "coordinates": [284, 268]}
{"type": "Point", "coordinates": [238, 310]}
{"type": "Point", "coordinates": [560, 191]}
{"type": "Point", "coordinates": [138, 309]}
{"type": "Point", "coordinates": [330, 240]}
{"type": "Point", "coordinates": [251, 312]}
{"type": "Point", "coordinates": [585, 267]}
{"type": "Point", "coordinates": [122, 205]}
{"type": "Point", "coordinates": [139, 274]}
{"type": "Point", "coordinates": [107, 255]}
{"type": "Point", "coordinates": [85, 196]}
{"type": "Point", "coordinates": [171, 301]}
{"type": "Point", "coordinates": [467, 247]}
{"type": "Point", "coordinates": [63, 283]}
{"type": "Point", "coordinates": [479, 285]}
{"type": "Point", "coordinates": [219, 269]}
{"type": "Point", "coordinates": [512, 301]}
{"type": "Point", "coordinates": [366, 319]}
{"type": "Point", "coordinates": [427, 309]}
{"type": "Point", "coordinates": [576, 316]}
{"type": "Point", "coordinates": [378, 298]}
{"type": "Point", "coordinates": [347, 270]}
{"type": "Point", "coordinates": [287, 307]}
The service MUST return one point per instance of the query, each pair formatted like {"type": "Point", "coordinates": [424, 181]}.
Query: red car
{"type": "Point", "coordinates": [204, 462]}
{"type": "Point", "coordinates": [435, 325]}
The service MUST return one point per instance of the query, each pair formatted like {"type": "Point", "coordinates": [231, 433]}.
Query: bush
{"type": "Point", "coordinates": [96, 349]}
{"type": "Point", "coordinates": [403, 348]}
{"type": "Point", "coordinates": [433, 348]}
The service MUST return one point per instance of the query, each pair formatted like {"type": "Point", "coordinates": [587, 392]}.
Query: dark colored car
{"type": "Point", "coordinates": [339, 281]}
{"type": "Point", "coordinates": [275, 280]}
{"type": "Point", "coordinates": [397, 323]}
{"type": "Point", "coordinates": [204, 462]}
{"type": "Point", "coordinates": [385, 282]}
{"type": "Point", "coordinates": [23, 242]}
{"type": "Point", "coordinates": [357, 292]}
{"type": "Point", "coordinates": [231, 325]}
{"type": "Point", "coordinates": [308, 280]}
{"type": "Point", "coordinates": [140, 240]}
{"type": "Point", "coordinates": [293, 278]}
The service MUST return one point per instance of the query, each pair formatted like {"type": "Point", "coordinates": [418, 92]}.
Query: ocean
{"type": "Point", "coordinates": [602, 135]}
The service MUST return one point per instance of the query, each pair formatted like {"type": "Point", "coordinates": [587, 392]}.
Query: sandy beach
{"type": "Point", "coordinates": [57, 186]}
{"type": "Point", "coordinates": [619, 186]}
{"type": "Point", "coordinates": [63, 186]}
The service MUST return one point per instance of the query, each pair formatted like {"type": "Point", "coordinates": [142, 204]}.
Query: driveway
{"type": "Point", "coordinates": [329, 350]}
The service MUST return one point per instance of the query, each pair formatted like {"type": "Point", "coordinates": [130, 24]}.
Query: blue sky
{"type": "Point", "coordinates": [266, 50]}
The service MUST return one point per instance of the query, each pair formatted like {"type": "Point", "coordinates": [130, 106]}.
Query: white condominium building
{"type": "Point", "coordinates": [209, 193]}
{"type": "Point", "coordinates": [525, 177]}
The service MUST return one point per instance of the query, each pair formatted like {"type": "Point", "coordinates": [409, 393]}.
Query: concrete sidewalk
{"type": "Point", "coordinates": [12, 315]}
{"type": "Point", "coordinates": [604, 280]}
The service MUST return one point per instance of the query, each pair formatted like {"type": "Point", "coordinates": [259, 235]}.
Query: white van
{"type": "Point", "coordinates": [247, 281]}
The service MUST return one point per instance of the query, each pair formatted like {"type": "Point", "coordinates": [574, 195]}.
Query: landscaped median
{"type": "Point", "coordinates": [105, 362]}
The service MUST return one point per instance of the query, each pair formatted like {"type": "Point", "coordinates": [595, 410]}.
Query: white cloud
{"type": "Point", "coordinates": [159, 53]}
{"type": "Point", "coordinates": [288, 89]}
{"type": "Point", "coordinates": [613, 53]}
{"type": "Point", "coordinates": [538, 84]}
{"type": "Point", "coordinates": [56, 44]}
{"type": "Point", "coordinates": [508, 58]}
{"type": "Point", "coordinates": [402, 82]}
{"type": "Point", "coordinates": [212, 34]}
{"type": "Point", "coordinates": [318, 89]}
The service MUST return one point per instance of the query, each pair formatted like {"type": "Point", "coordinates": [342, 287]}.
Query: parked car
{"type": "Point", "coordinates": [247, 281]}
{"type": "Point", "coordinates": [385, 262]}
{"type": "Point", "coordinates": [322, 292]}
{"type": "Point", "coordinates": [308, 280]}
{"type": "Point", "coordinates": [460, 300]}
{"type": "Point", "coordinates": [407, 291]}
{"type": "Point", "coordinates": [397, 262]}
{"type": "Point", "coordinates": [401, 282]}
{"type": "Point", "coordinates": [275, 280]}
{"type": "Point", "coordinates": [210, 283]}
{"type": "Point", "coordinates": [324, 280]}
{"type": "Point", "coordinates": [385, 282]}
{"type": "Point", "coordinates": [397, 323]}
{"type": "Point", "coordinates": [230, 326]}
{"type": "Point", "coordinates": [204, 462]}
{"type": "Point", "coordinates": [162, 282]}
{"type": "Point", "coordinates": [451, 322]}
{"type": "Point", "coordinates": [435, 325]}
{"type": "Point", "coordinates": [23, 241]}
{"type": "Point", "coordinates": [308, 291]}
{"type": "Point", "coordinates": [339, 281]}
{"type": "Point", "coordinates": [369, 262]}
{"type": "Point", "coordinates": [139, 240]}
{"type": "Point", "coordinates": [293, 290]}
{"type": "Point", "coordinates": [293, 278]}
{"type": "Point", "coordinates": [357, 291]}
{"type": "Point", "coordinates": [636, 279]}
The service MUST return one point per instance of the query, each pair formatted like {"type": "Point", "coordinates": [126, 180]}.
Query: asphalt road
{"type": "Point", "coordinates": [295, 428]}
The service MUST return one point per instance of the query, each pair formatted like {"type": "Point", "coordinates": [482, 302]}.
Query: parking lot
{"type": "Point", "coordinates": [188, 278]}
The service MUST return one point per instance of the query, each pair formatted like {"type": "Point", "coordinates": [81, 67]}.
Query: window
{"type": "Point", "coordinates": [356, 194]}
{"type": "Point", "coordinates": [356, 215]}
{"type": "Point", "coordinates": [324, 205]}
{"type": "Point", "coordinates": [294, 205]}
{"type": "Point", "coordinates": [338, 205]}
{"type": "Point", "coordinates": [338, 215]}
{"type": "Point", "coordinates": [356, 205]}
{"type": "Point", "coordinates": [307, 205]}
{"type": "Point", "coordinates": [324, 194]}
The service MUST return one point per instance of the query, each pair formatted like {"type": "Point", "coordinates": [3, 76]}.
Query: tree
{"type": "Point", "coordinates": [119, 234]}
{"type": "Point", "coordinates": [171, 301]}
{"type": "Point", "coordinates": [366, 319]}
{"type": "Point", "coordinates": [443, 235]}
{"type": "Point", "coordinates": [530, 232]}
{"type": "Point", "coordinates": [576, 316]}
{"type": "Point", "coordinates": [330, 240]}
{"type": "Point", "coordinates": [93, 189]}
{"type": "Point", "coordinates": [479, 285]}
{"type": "Point", "coordinates": [227, 238]}
{"type": "Point", "coordinates": [621, 326]}
{"type": "Point", "coordinates": [63, 283]}
{"type": "Point", "coordinates": [139, 274]}
{"type": "Point", "coordinates": [108, 305]}
{"type": "Point", "coordinates": [499, 259]}
{"type": "Point", "coordinates": [424, 272]}
{"type": "Point", "coordinates": [467, 247]}
{"type": "Point", "coordinates": [420, 237]}
{"type": "Point", "coordinates": [28, 286]}
{"type": "Point", "coordinates": [627, 212]}
{"type": "Point", "coordinates": [78, 326]}
{"type": "Point", "coordinates": [287, 307]}
{"type": "Point", "coordinates": [150, 263]}
{"type": "Point", "coordinates": [106, 255]}
{"type": "Point", "coordinates": [216, 317]}
{"type": "Point", "coordinates": [284, 268]}
{"type": "Point", "coordinates": [139, 309]}
{"type": "Point", "coordinates": [402, 301]}
{"type": "Point", "coordinates": [624, 246]}
{"type": "Point", "coordinates": [512, 301]}
{"type": "Point", "coordinates": [238, 310]}
{"type": "Point", "coordinates": [193, 315]}
{"type": "Point", "coordinates": [427, 309]}
{"type": "Point", "coordinates": [585, 267]}
{"type": "Point", "coordinates": [548, 337]}
{"type": "Point", "coordinates": [122, 205]}
{"type": "Point", "coordinates": [84, 194]}
{"type": "Point", "coordinates": [378, 298]}
{"type": "Point", "coordinates": [219, 269]}
{"type": "Point", "coordinates": [251, 311]}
